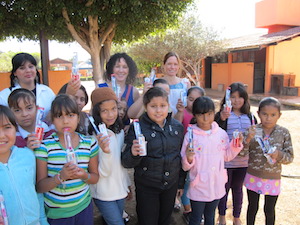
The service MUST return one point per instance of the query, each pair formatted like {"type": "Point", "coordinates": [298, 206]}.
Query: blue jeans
{"type": "Point", "coordinates": [112, 211]}
{"type": "Point", "coordinates": [206, 208]}
{"type": "Point", "coordinates": [184, 199]}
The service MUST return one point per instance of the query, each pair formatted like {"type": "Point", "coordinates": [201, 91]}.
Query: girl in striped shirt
{"type": "Point", "coordinates": [65, 184]}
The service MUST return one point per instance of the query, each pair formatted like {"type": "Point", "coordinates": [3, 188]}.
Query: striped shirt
{"type": "Point", "coordinates": [240, 123]}
{"type": "Point", "coordinates": [71, 197]}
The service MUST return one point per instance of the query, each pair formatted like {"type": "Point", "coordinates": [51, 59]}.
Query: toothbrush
{"type": "Point", "coordinates": [92, 121]}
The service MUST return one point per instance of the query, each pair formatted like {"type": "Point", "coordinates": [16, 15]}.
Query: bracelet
{"type": "Point", "coordinates": [58, 178]}
{"type": "Point", "coordinates": [89, 177]}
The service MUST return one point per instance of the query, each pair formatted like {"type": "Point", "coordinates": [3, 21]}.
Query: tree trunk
{"type": "Point", "coordinates": [97, 75]}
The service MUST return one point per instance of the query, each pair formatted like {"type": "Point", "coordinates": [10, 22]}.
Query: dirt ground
{"type": "Point", "coordinates": [288, 204]}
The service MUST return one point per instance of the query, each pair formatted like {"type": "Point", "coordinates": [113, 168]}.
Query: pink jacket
{"type": "Point", "coordinates": [207, 173]}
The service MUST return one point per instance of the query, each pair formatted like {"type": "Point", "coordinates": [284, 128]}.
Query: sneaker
{"type": "Point", "coordinates": [186, 217]}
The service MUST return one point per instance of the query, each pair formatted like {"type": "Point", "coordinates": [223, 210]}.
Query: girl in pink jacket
{"type": "Point", "coordinates": [204, 150]}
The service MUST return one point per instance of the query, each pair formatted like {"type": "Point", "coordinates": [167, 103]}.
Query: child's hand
{"type": "Point", "coordinates": [147, 86]}
{"type": "Point", "coordinates": [104, 143]}
{"type": "Point", "coordinates": [275, 154]}
{"type": "Point", "coordinates": [224, 114]}
{"type": "Point", "coordinates": [190, 154]}
{"type": "Point", "coordinates": [73, 86]}
{"type": "Point", "coordinates": [129, 195]}
{"type": "Point", "coordinates": [80, 174]}
{"type": "Point", "coordinates": [179, 106]}
{"type": "Point", "coordinates": [136, 148]}
{"type": "Point", "coordinates": [69, 171]}
{"type": "Point", "coordinates": [33, 142]}
{"type": "Point", "coordinates": [241, 138]}
{"type": "Point", "coordinates": [251, 133]}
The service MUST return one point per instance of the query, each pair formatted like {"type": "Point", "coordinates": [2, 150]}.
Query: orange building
{"type": "Point", "coordinates": [265, 63]}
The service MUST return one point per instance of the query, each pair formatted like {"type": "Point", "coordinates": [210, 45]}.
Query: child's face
{"type": "Point", "coordinates": [7, 137]}
{"type": "Point", "coordinates": [25, 114]}
{"type": "Point", "coordinates": [69, 121]}
{"type": "Point", "coordinates": [166, 87]}
{"type": "Point", "coordinates": [236, 101]}
{"type": "Point", "coordinates": [109, 112]}
{"type": "Point", "coordinates": [122, 107]}
{"type": "Point", "coordinates": [269, 115]}
{"type": "Point", "coordinates": [80, 99]}
{"type": "Point", "coordinates": [192, 97]}
{"type": "Point", "coordinates": [205, 120]}
{"type": "Point", "coordinates": [157, 110]}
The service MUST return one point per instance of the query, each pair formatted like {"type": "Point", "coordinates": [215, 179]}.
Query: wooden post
{"type": "Point", "coordinates": [44, 57]}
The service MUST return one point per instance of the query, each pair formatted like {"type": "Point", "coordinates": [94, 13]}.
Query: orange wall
{"type": "Point", "coordinates": [283, 58]}
{"type": "Point", "coordinates": [277, 12]}
{"type": "Point", "coordinates": [238, 72]}
{"type": "Point", "coordinates": [219, 73]}
{"type": "Point", "coordinates": [56, 79]}
{"type": "Point", "coordinates": [243, 72]}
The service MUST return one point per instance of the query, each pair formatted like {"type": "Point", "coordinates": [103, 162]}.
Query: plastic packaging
{"type": "Point", "coordinates": [92, 121]}
{"type": "Point", "coordinates": [75, 70]}
{"type": "Point", "coordinates": [190, 133]}
{"type": "Point", "coordinates": [39, 130]}
{"type": "Point", "coordinates": [183, 97]}
{"type": "Point", "coordinates": [265, 145]}
{"type": "Point", "coordinates": [71, 154]}
{"type": "Point", "coordinates": [227, 106]}
{"type": "Point", "coordinates": [140, 137]}
{"type": "Point", "coordinates": [235, 138]}
{"type": "Point", "coordinates": [3, 213]}
{"type": "Point", "coordinates": [115, 86]}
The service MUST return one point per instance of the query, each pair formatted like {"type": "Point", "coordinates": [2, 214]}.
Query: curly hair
{"type": "Point", "coordinates": [19, 60]}
{"type": "Point", "coordinates": [130, 63]}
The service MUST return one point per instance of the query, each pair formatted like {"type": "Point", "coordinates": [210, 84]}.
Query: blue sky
{"type": "Point", "coordinates": [232, 18]}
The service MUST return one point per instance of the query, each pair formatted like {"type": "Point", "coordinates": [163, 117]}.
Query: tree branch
{"type": "Point", "coordinates": [110, 29]}
{"type": "Point", "coordinates": [73, 31]}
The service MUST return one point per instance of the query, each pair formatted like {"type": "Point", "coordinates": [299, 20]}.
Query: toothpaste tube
{"type": "Point", "coordinates": [236, 138]}
{"type": "Point", "coordinates": [142, 142]}
{"type": "Point", "coordinates": [102, 129]}
{"type": "Point", "coordinates": [39, 130]}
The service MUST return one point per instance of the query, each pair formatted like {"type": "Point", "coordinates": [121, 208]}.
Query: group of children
{"type": "Point", "coordinates": [195, 139]}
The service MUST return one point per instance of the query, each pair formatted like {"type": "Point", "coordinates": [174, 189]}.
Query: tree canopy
{"type": "Point", "coordinates": [94, 24]}
{"type": "Point", "coordinates": [191, 40]}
